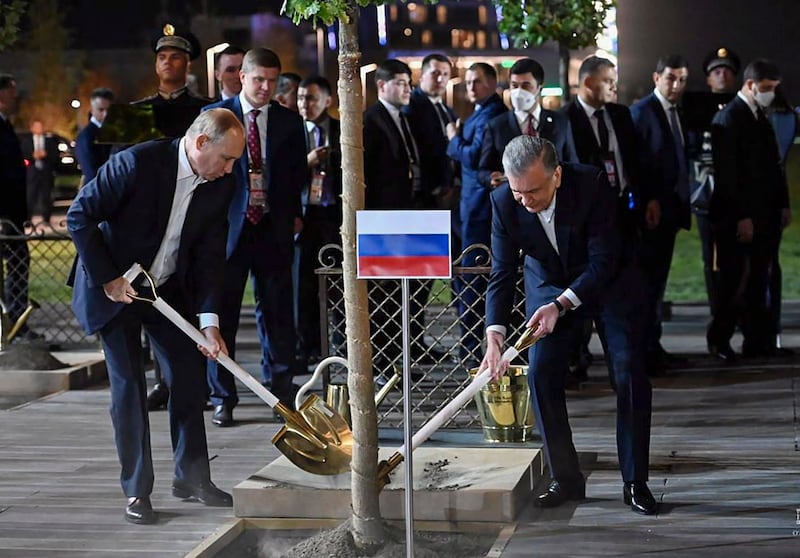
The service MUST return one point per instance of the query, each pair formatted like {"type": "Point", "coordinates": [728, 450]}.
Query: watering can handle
{"type": "Point", "coordinates": [324, 363]}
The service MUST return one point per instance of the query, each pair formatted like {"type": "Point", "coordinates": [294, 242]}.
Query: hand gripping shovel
{"type": "Point", "coordinates": [315, 438]}
{"type": "Point", "coordinates": [482, 378]}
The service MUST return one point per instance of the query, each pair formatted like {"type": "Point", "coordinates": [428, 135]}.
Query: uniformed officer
{"type": "Point", "coordinates": [174, 106]}
{"type": "Point", "coordinates": [174, 109]}
{"type": "Point", "coordinates": [721, 67]}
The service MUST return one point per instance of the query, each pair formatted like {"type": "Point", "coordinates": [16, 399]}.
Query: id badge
{"type": "Point", "coordinates": [258, 195]}
{"type": "Point", "coordinates": [610, 166]}
{"type": "Point", "coordinates": [315, 190]}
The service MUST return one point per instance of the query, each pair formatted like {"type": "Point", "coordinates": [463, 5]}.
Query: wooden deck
{"type": "Point", "coordinates": [724, 457]}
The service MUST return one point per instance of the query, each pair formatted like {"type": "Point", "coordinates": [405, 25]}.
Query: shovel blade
{"type": "Point", "coordinates": [316, 439]}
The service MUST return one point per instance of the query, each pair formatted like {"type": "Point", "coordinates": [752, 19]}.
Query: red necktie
{"type": "Point", "coordinates": [254, 212]}
{"type": "Point", "coordinates": [531, 131]}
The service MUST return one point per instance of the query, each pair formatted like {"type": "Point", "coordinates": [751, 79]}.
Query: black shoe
{"type": "Point", "coordinates": [559, 492]}
{"type": "Point", "coordinates": [158, 398]}
{"type": "Point", "coordinates": [723, 352]}
{"type": "Point", "coordinates": [639, 498]}
{"type": "Point", "coordinates": [206, 493]}
{"type": "Point", "coordinates": [223, 415]}
{"type": "Point", "coordinates": [140, 511]}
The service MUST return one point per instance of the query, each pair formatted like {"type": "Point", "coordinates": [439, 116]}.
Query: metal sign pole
{"type": "Point", "coordinates": [407, 424]}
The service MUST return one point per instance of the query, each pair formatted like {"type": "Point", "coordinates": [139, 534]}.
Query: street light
{"type": "Point", "coordinates": [76, 105]}
{"type": "Point", "coordinates": [365, 71]}
{"type": "Point", "coordinates": [210, 52]}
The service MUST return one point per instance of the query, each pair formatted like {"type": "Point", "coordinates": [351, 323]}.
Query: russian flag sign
{"type": "Point", "coordinates": [403, 244]}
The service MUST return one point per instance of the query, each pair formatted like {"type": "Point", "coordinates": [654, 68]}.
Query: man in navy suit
{"type": "Point", "coordinates": [322, 205]}
{"type": "Point", "coordinates": [393, 177]}
{"type": "Point", "coordinates": [263, 218]}
{"type": "Point", "coordinates": [749, 209]}
{"type": "Point", "coordinates": [665, 190]}
{"type": "Point", "coordinates": [605, 137]}
{"type": "Point", "coordinates": [563, 220]}
{"type": "Point", "coordinates": [92, 155]}
{"type": "Point", "coordinates": [429, 116]}
{"type": "Point", "coordinates": [464, 146]}
{"type": "Point", "coordinates": [226, 71]}
{"type": "Point", "coordinates": [527, 117]}
{"type": "Point", "coordinates": [162, 204]}
{"type": "Point", "coordinates": [14, 208]}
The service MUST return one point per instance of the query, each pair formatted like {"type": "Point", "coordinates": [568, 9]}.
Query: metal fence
{"type": "Point", "coordinates": [447, 329]}
{"type": "Point", "coordinates": [44, 274]}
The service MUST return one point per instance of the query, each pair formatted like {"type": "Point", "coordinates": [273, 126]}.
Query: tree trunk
{"type": "Point", "coordinates": [563, 70]}
{"type": "Point", "coordinates": [367, 526]}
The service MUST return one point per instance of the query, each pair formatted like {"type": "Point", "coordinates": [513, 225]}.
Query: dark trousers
{"type": "Point", "coordinates": [269, 263]}
{"type": "Point", "coordinates": [620, 322]}
{"type": "Point", "coordinates": [743, 286]}
{"type": "Point", "coordinates": [657, 247]}
{"type": "Point", "coordinates": [40, 192]}
{"type": "Point", "coordinates": [320, 227]}
{"type": "Point", "coordinates": [707, 247]}
{"type": "Point", "coordinates": [183, 371]}
{"type": "Point", "coordinates": [472, 287]}
{"type": "Point", "coordinates": [17, 262]}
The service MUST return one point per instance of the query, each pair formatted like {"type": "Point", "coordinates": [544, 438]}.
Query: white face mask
{"type": "Point", "coordinates": [763, 98]}
{"type": "Point", "coordinates": [522, 100]}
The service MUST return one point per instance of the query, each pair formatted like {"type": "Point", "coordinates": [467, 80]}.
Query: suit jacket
{"type": "Point", "coordinates": [386, 164]}
{"type": "Point", "coordinates": [333, 168]}
{"type": "Point", "coordinates": [90, 155]}
{"type": "Point", "coordinates": [503, 128]}
{"type": "Point", "coordinates": [285, 174]}
{"type": "Point", "coordinates": [660, 167]}
{"type": "Point", "coordinates": [587, 238]}
{"type": "Point", "coordinates": [589, 153]}
{"type": "Point", "coordinates": [46, 174]}
{"type": "Point", "coordinates": [466, 149]}
{"type": "Point", "coordinates": [437, 170]}
{"type": "Point", "coordinates": [14, 207]}
{"type": "Point", "coordinates": [120, 217]}
{"type": "Point", "coordinates": [749, 178]}
{"type": "Point", "coordinates": [174, 116]}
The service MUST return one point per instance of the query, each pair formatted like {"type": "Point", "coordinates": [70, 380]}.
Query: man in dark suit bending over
{"type": "Point", "coordinates": [563, 219]}
{"type": "Point", "coordinates": [163, 204]}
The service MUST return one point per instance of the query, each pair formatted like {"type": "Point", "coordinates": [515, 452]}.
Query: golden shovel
{"type": "Point", "coordinates": [315, 438]}
{"type": "Point", "coordinates": [527, 339]}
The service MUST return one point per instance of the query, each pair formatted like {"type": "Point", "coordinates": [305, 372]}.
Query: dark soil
{"type": "Point", "coordinates": [338, 543]}
{"type": "Point", "coordinates": [28, 357]}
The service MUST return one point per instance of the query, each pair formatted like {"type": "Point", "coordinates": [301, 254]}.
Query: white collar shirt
{"type": "Point", "coordinates": [522, 118]}
{"type": "Point", "coordinates": [752, 106]}
{"type": "Point", "coordinates": [613, 144]}
{"type": "Point", "coordinates": [261, 122]}
{"type": "Point", "coordinates": [667, 106]}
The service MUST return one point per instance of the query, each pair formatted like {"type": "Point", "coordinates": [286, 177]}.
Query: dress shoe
{"type": "Point", "coordinates": [140, 511]}
{"type": "Point", "coordinates": [205, 493]}
{"type": "Point", "coordinates": [639, 498]}
{"type": "Point", "coordinates": [723, 352]}
{"type": "Point", "coordinates": [158, 398]}
{"type": "Point", "coordinates": [559, 492]}
{"type": "Point", "coordinates": [223, 415]}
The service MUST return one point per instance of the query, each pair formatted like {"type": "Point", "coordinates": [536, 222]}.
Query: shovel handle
{"type": "Point", "coordinates": [197, 336]}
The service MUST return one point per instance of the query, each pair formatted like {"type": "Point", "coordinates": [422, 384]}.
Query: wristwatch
{"type": "Point", "coordinates": [561, 309]}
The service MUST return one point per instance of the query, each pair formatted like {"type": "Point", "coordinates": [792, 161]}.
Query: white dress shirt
{"type": "Point", "coordinates": [613, 144]}
{"type": "Point", "coordinates": [166, 259]}
{"type": "Point", "coordinates": [666, 105]}
{"type": "Point", "coordinates": [96, 122]}
{"type": "Point", "coordinates": [261, 121]}
{"type": "Point", "coordinates": [522, 118]}
{"type": "Point", "coordinates": [547, 219]}
{"type": "Point", "coordinates": [753, 107]}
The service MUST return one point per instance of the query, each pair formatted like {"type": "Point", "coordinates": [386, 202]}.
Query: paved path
{"type": "Point", "coordinates": [724, 463]}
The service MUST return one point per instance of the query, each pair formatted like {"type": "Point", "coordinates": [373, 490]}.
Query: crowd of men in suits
{"type": "Point", "coordinates": [270, 144]}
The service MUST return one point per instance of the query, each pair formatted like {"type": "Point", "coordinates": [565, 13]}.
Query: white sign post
{"type": "Point", "coordinates": [404, 245]}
